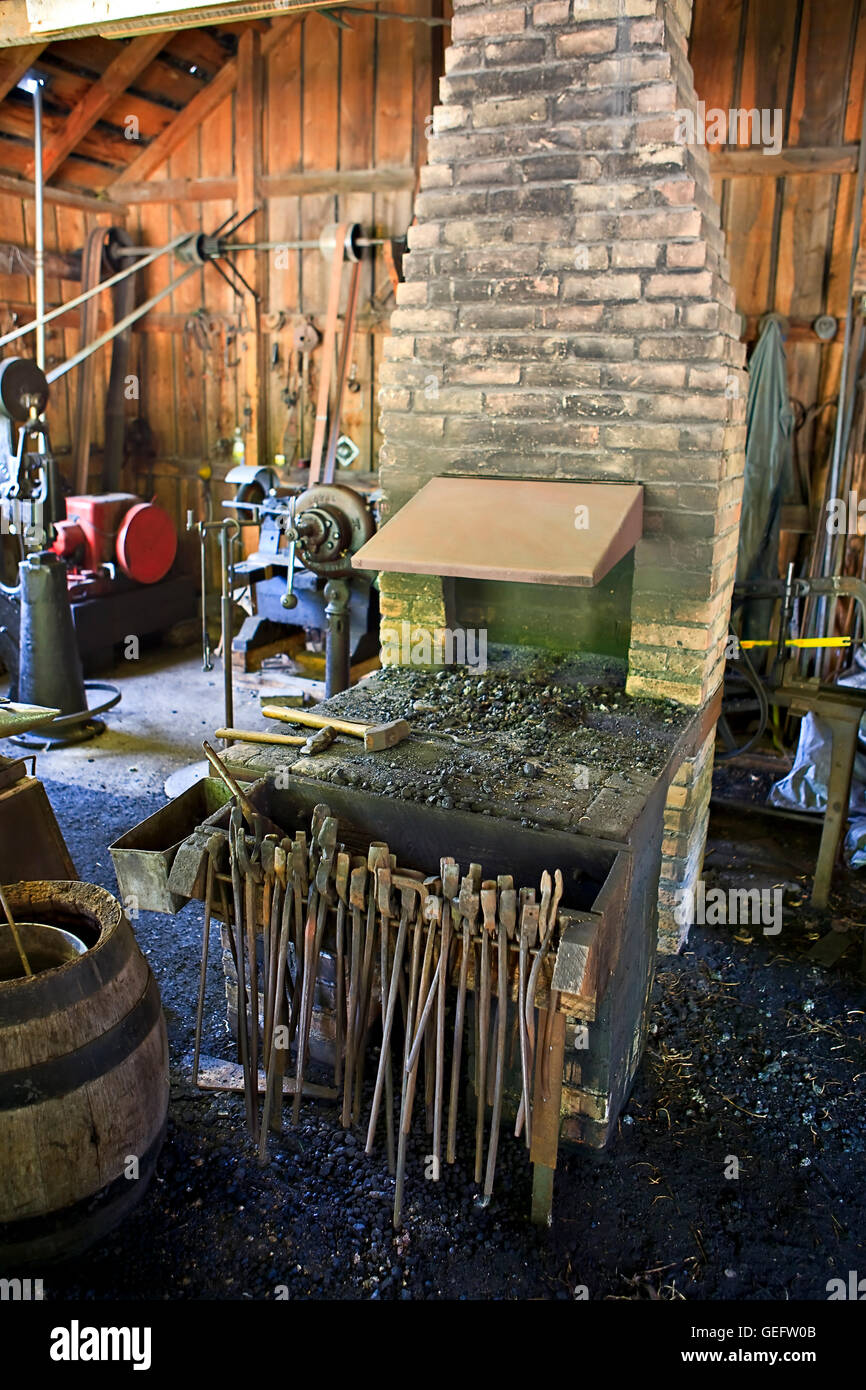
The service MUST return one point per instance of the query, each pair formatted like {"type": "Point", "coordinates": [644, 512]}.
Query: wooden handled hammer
{"type": "Point", "coordinates": [375, 736]}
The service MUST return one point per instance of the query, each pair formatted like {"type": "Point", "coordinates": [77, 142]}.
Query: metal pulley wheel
{"type": "Point", "coordinates": [351, 250]}
{"type": "Point", "coordinates": [22, 383]}
{"type": "Point", "coordinates": [333, 522]}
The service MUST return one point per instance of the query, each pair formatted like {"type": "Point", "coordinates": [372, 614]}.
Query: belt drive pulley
{"type": "Point", "coordinates": [331, 522]}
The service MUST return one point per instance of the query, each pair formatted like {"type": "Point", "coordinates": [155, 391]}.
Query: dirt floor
{"type": "Point", "coordinates": [736, 1172]}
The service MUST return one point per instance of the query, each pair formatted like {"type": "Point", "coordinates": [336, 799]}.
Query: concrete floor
{"type": "Point", "coordinates": [169, 704]}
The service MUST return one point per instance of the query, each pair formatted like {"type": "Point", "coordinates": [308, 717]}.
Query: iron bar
{"type": "Point", "coordinates": [294, 245]}
{"type": "Point", "coordinates": [96, 289]}
{"type": "Point", "coordinates": [39, 267]}
{"type": "Point", "coordinates": [110, 333]}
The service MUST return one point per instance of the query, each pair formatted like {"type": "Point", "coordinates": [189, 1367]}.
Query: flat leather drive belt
{"type": "Point", "coordinates": [328, 413]}
{"type": "Point", "coordinates": [123, 295]}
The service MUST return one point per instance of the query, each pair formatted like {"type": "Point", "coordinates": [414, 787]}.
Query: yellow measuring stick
{"type": "Point", "coordinates": [802, 642]}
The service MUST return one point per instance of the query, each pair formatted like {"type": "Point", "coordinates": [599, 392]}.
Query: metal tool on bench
{"type": "Point", "coordinates": [319, 741]}
{"type": "Point", "coordinates": [325, 843]}
{"type": "Point", "coordinates": [529, 912]}
{"type": "Point", "coordinates": [468, 905]}
{"type": "Point", "coordinates": [357, 902]}
{"type": "Point", "coordinates": [482, 1004]}
{"type": "Point", "coordinates": [505, 930]}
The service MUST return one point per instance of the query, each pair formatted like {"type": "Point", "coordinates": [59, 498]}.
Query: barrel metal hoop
{"type": "Point", "coordinates": [41, 1238]}
{"type": "Point", "coordinates": [51, 1080]}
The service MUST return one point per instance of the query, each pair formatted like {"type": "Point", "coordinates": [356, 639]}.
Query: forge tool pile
{"type": "Point", "coordinates": [399, 943]}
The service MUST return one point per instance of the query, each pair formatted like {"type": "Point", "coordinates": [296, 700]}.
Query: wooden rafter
{"type": "Point", "coordinates": [14, 63]}
{"type": "Point", "coordinates": [207, 100]}
{"type": "Point", "coordinates": [132, 60]}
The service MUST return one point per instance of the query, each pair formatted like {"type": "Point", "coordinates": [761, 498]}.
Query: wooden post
{"type": "Point", "coordinates": [254, 265]}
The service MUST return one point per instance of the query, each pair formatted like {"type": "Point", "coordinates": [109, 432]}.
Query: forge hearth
{"type": "Point", "coordinates": [547, 742]}
{"type": "Point", "coordinates": [536, 763]}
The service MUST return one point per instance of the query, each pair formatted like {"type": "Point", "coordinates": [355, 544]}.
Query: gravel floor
{"type": "Point", "coordinates": [755, 1063]}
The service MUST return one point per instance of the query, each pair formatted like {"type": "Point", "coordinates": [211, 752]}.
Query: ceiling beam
{"type": "Point", "coordinates": [14, 63]}
{"type": "Point", "coordinates": [385, 179]}
{"type": "Point", "coordinates": [222, 85]}
{"type": "Point", "coordinates": [65, 197]}
{"type": "Point", "coordinates": [802, 159]}
{"type": "Point", "coordinates": [192, 190]}
{"type": "Point", "coordinates": [133, 58]}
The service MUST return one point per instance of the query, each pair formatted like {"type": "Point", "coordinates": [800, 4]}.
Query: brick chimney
{"type": "Point", "coordinates": [567, 314]}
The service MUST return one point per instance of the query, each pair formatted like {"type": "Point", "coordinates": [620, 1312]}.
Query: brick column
{"type": "Point", "coordinates": [567, 313]}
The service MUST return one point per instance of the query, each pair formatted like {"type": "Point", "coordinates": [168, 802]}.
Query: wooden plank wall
{"type": "Point", "coordinates": [333, 99]}
{"type": "Point", "coordinates": [789, 238]}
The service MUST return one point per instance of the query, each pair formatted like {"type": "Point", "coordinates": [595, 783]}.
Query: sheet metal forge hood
{"type": "Point", "coordinates": [528, 531]}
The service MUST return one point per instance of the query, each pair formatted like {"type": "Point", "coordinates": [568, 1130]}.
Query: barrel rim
{"type": "Point", "coordinates": [104, 910]}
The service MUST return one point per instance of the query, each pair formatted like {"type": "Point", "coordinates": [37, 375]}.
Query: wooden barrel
{"type": "Point", "coordinates": [83, 1080]}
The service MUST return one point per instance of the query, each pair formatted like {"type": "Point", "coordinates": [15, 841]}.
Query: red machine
{"type": "Point", "coordinates": [115, 529]}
